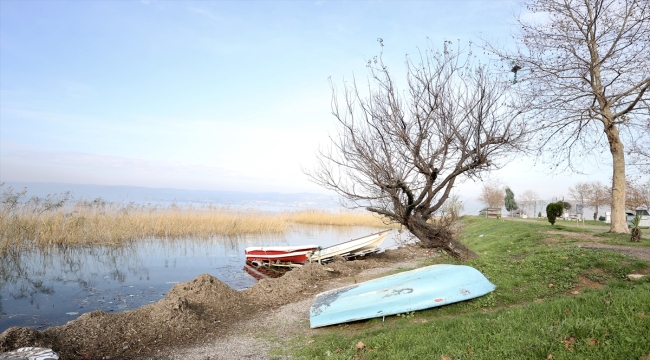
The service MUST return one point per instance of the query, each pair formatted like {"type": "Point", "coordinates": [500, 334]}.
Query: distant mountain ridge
{"type": "Point", "coordinates": [138, 194]}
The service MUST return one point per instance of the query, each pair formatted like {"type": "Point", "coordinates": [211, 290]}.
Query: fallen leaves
{"type": "Point", "coordinates": [311, 341]}
{"type": "Point", "coordinates": [549, 356]}
{"type": "Point", "coordinates": [360, 345]}
{"type": "Point", "coordinates": [550, 285]}
{"type": "Point", "coordinates": [569, 342]}
{"type": "Point", "coordinates": [592, 342]}
{"type": "Point", "coordinates": [442, 357]}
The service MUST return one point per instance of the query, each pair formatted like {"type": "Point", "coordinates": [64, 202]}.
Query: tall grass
{"type": "Point", "coordinates": [62, 220]}
{"type": "Point", "coordinates": [316, 217]}
{"type": "Point", "coordinates": [59, 219]}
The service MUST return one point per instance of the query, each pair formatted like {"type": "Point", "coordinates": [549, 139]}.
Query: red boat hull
{"type": "Point", "coordinates": [292, 254]}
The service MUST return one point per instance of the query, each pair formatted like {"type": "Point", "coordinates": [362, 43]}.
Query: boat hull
{"type": "Point", "coordinates": [413, 290]}
{"type": "Point", "coordinates": [362, 245]}
{"type": "Point", "coordinates": [295, 254]}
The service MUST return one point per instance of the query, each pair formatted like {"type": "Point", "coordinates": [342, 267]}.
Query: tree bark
{"type": "Point", "coordinates": [439, 236]}
{"type": "Point", "coordinates": [619, 222]}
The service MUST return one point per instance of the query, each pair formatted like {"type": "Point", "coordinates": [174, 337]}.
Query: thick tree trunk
{"type": "Point", "coordinates": [619, 223]}
{"type": "Point", "coordinates": [440, 236]}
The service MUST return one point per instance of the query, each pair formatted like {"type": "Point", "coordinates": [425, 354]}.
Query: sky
{"type": "Point", "coordinates": [227, 95]}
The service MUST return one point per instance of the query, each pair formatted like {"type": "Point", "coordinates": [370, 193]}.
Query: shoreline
{"type": "Point", "coordinates": [205, 318]}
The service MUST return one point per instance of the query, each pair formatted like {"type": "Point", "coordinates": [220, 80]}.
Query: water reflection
{"type": "Point", "coordinates": [51, 287]}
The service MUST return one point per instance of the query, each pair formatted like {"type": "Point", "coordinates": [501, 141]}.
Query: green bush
{"type": "Point", "coordinates": [553, 211]}
{"type": "Point", "coordinates": [602, 218]}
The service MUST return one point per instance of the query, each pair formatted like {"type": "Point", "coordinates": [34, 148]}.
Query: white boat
{"type": "Point", "coordinates": [353, 248]}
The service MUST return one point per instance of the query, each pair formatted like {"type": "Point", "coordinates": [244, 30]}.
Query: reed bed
{"type": "Point", "coordinates": [62, 220]}
{"type": "Point", "coordinates": [59, 219]}
{"type": "Point", "coordinates": [316, 217]}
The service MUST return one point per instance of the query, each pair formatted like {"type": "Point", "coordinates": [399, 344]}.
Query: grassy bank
{"type": "Point", "coordinates": [553, 300]}
{"type": "Point", "coordinates": [62, 220]}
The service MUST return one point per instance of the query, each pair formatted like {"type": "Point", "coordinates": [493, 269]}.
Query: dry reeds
{"type": "Point", "coordinates": [61, 220]}
{"type": "Point", "coordinates": [315, 217]}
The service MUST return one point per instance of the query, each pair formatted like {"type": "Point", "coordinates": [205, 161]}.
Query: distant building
{"type": "Point", "coordinates": [490, 212]}
{"type": "Point", "coordinates": [642, 213]}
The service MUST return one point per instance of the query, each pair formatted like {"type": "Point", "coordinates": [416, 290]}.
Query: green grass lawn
{"type": "Point", "coordinates": [552, 298]}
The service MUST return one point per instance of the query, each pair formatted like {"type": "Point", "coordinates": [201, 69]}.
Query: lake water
{"type": "Point", "coordinates": [41, 289]}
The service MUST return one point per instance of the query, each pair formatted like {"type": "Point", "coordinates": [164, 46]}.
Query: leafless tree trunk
{"type": "Point", "coordinates": [585, 80]}
{"type": "Point", "coordinates": [399, 154]}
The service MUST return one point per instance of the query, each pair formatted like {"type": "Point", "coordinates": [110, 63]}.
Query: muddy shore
{"type": "Point", "coordinates": [196, 314]}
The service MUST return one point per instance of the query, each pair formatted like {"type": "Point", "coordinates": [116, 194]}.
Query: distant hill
{"type": "Point", "coordinates": [266, 201]}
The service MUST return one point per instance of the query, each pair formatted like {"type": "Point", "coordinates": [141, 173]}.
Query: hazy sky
{"type": "Point", "coordinates": [229, 95]}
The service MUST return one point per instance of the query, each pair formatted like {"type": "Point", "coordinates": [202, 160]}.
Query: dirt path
{"type": "Point", "coordinates": [638, 252]}
{"type": "Point", "coordinates": [596, 243]}
{"type": "Point", "coordinates": [645, 233]}
{"type": "Point", "coordinates": [253, 338]}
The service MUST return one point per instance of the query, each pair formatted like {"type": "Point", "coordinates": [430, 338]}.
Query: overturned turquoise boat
{"type": "Point", "coordinates": [413, 290]}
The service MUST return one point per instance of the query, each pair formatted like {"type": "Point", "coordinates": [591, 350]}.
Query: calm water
{"type": "Point", "coordinates": [43, 289]}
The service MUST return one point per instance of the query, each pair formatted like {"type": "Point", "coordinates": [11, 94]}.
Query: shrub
{"type": "Point", "coordinates": [602, 218]}
{"type": "Point", "coordinates": [553, 211]}
{"type": "Point", "coordinates": [539, 214]}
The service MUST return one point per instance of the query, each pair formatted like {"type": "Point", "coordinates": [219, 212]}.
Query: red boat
{"type": "Point", "coordinates": [293, 254]}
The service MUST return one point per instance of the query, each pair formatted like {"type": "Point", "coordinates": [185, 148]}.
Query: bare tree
{"type": "Point", "coordinates": [599, 195]}
{"type": "Point", "coordinates": [528, 198]}
{"type": "Point", "coordinates": [580, 192]}
{"type": "Point", "coordinates": [638, 194]}
{"type": "Point", "coordinates": [492, 194]}
{"type": "Point", "coordinates": [585, 80]}
{"type": "Point", "coordinates": [399, 154]}
{"type": "Point", "coordinates": [640, 150]}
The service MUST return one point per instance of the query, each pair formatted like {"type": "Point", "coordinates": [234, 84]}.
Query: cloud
{"type": "Point", "coordinates": [24, 163]}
